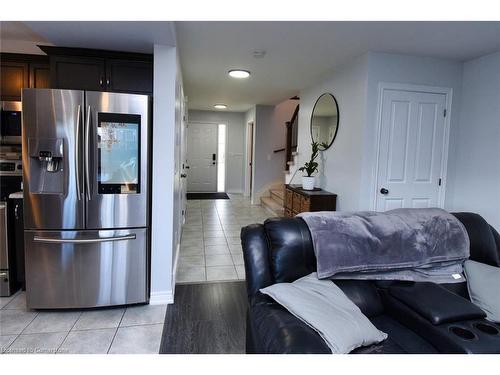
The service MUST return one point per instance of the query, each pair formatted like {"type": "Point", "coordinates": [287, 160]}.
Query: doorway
{"type": "Point", "coordinates": [412, 147]}
{"type": "Point", "coordinates": [249, 159]}
{"type": "Point", "coordinates": [206, 157]}
{"type": "Point", "coordinates": [202, 157]}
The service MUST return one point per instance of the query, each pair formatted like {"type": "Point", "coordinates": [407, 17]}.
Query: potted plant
{"type": "Point", "coordinates": [310, 167]}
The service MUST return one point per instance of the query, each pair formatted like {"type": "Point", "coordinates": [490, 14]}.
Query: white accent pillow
{"type": "Point", "coordinates": [325, 308]}
{"type": "Point", "coordinates": [483, 282]}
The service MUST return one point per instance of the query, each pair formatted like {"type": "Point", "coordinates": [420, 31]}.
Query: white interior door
{"type": "Point", "coordinates": [411, 150]}
{"type": "Point", "coordinates": [202, 157]}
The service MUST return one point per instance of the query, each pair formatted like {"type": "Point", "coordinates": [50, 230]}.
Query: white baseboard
{"type": "Point", "coordinates": [166, 297]}
{"type": "Point", "coordinates": [161, 298]}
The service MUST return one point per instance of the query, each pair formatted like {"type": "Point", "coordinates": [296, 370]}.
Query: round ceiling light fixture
{"type": "Point", "coordinates": [220, 106]}
{"type": "Point", "coordinates": [239, 73]}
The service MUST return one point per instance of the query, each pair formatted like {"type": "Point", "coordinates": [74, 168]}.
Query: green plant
{"type": "Point", "coordinates": [311, 166]}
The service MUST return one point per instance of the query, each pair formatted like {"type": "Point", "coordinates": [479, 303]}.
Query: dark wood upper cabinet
{"type": "Point", "coordinates": [13, 78]}
{"type": "Point", "coordinates": [79, 73]}
{"type": "Point", "coordinates": [20, 71]}
{"type": "Point", "coordinates": [129, 76]}
{"type": "Point", "coordinates": [100, 70]}
{"type": "Point", "coordinates": [39, 76]}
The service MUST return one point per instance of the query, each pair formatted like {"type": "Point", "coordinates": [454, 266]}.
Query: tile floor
{"type": "Point", "coordinates": [210, 251]}
{"type": "Point", "coordinates": [210, 244]}
{"type": "Point", "coordinates": [134, 329]}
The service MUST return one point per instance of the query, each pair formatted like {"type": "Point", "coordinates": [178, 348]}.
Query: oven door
{"type": "Point", "coordinates": [10, 123]}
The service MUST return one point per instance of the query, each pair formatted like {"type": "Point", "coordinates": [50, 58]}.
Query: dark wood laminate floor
{"type": "Point", "coordinates": [206, 319]}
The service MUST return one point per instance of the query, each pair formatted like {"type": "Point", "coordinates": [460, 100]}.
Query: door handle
{"type": "Point", "coordinates": [214, 159]}
{"type": "Point", "coordinates": [77, 152]}
{"type": "Point", "coordinates": [87, 153]}
{"type": "Point", "coordinates": [384, 191]}
{"type": "Point", "coordinates": [83, 240]}
{"type": "Point", "coordinates": [183, 175]}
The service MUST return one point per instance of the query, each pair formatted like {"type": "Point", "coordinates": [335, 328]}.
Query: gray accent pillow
{"type": "Point", "coordinates": [325, 308]}
{"type": "Point", "coordinates": [483, 282]}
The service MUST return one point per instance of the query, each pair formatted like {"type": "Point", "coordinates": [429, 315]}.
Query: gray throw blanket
{"type": "Point", "coordinates": [424, 244]}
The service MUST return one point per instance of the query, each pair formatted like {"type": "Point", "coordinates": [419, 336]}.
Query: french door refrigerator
{"type": "Point", "coordinates": [85, 157]}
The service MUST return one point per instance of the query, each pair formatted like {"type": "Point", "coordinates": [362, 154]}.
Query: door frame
{"type": "Point", "coordinates": [385, 86]}
{"type": "Point", "coordinates": [217, 147]}
{"type": "Point", "coordinates": [249, 157]}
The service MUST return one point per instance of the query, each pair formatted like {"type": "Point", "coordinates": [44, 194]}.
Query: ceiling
{"type": "Point", "coordinates": [300, 54]}
{"type": "Point", "coordinates": [110, 35]}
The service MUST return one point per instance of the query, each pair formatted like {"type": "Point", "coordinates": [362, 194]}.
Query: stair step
{"type": "Point", "coordinates": [278, 195]}
{"type": "Point", "coordinates": [273, 205]}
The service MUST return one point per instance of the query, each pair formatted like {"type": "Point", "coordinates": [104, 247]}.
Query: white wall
{"type": "Point", "coordinates": [341, 164]}
{"type": "Point", "coordinates": [347, 168]}
{"type": "Point", "coordinates": [384, 67]}
{"type": "Point", "coordinates": [179, 188]}
{"type": "Point", "coordinates": [165, 231]}
{"type": "Point", "coordinates": [249, 117]}
{"type": "Point", "coordinates": [270, 135]}
{"type": "Point", "coordinates": [475, 161]}
{"type": "Point", "coordinates": [235, 144]}
{"type": "Point", "coordinates": [22, 46]}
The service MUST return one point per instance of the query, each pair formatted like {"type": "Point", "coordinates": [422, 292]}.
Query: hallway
{"type": "Point", "coordinates": [210, 245]}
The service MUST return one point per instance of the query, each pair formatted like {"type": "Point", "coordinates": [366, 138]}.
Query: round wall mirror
{"type": "Point", "coordinates": [325, 121]}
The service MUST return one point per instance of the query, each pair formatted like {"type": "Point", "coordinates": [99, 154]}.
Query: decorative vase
{"type": "Point", "coordinates": [308, 182]}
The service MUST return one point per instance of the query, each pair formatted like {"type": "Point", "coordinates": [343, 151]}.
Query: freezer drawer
{"type": "Point", "coordinates": [75, 269]}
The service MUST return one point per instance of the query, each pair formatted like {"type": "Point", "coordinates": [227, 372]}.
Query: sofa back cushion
{"type": "Point", "coordinates": [291, 256]}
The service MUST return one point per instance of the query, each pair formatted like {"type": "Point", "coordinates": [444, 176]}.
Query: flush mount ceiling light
{"type": "Point", "coordinates": [238, 73]}
{"type": "Point", "coordinates": [220, 106]}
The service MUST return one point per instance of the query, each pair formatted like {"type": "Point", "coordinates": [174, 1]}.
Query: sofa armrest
{"type": "Point", "coordinates": [256, 256]}
{"type": "Point", "coordinates": [435, 303]}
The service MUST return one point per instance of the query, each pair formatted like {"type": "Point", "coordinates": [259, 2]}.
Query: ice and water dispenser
{"type": "Point", "coordinates": [46, 165]}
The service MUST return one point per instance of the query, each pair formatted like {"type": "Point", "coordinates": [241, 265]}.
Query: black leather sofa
{"type": "Point", "coordinates": [418, 317]}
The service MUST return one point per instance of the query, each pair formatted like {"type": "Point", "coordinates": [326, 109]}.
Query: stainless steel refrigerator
{"type": "Point", "coordinates": [86, 194]}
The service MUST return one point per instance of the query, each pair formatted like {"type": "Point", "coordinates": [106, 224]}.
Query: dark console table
{"type": "Point", "coordinates": [298, 200]}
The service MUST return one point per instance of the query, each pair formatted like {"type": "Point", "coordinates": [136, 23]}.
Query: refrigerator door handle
{"type": "Point", "coordinates": [83, 240]}
{"type": "Point", "coordinates": [77, 153]}
{"type": "Point", "coordinates": [87, 154]}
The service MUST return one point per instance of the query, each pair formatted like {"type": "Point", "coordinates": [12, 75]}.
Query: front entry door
{"type": "Point", "coordinates": [411, 150]}
{"type": "Point", "coordinates": [202, 157]}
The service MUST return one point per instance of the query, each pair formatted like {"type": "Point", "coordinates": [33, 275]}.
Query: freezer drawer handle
{"type": "Point", "coordinates": [86, 240]}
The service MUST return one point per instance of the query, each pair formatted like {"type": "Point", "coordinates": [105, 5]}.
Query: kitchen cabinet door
{"type": "Point", "coordinates": [78, 73]}
{"type": "Point", "coordinates": [39, 76]}
{"type": "Point", "coordinates": [14, 77]}
{"type": "Point", "coordinates": [129, 76]}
